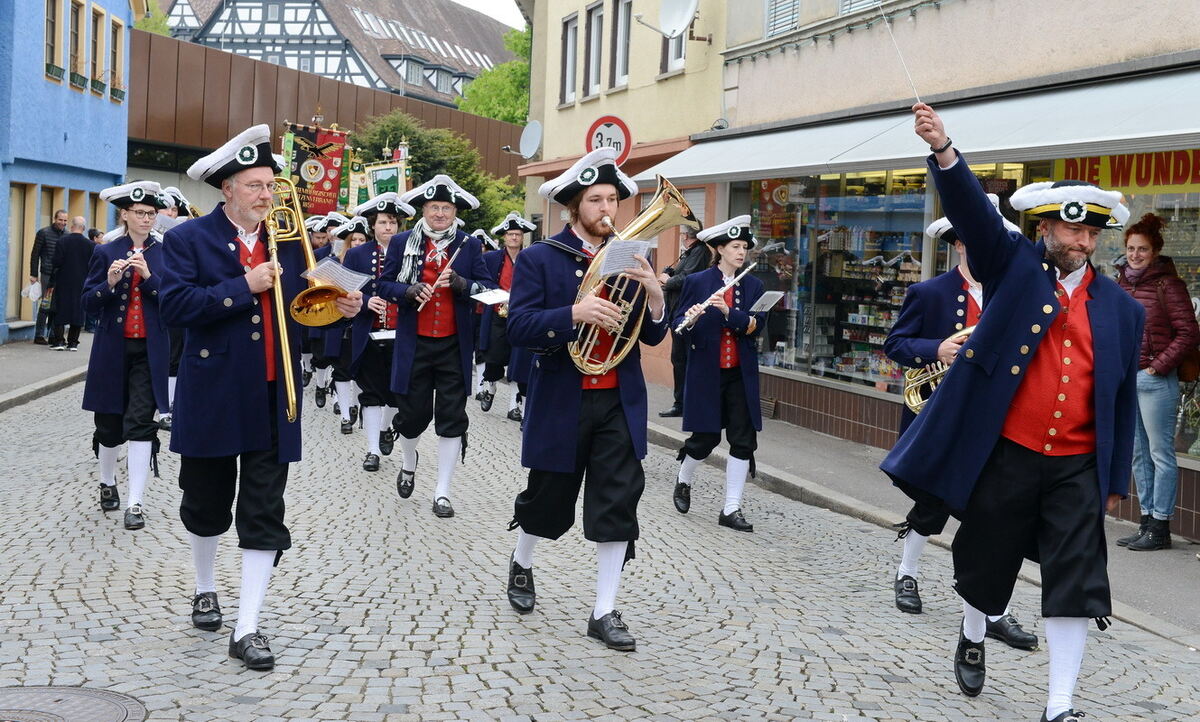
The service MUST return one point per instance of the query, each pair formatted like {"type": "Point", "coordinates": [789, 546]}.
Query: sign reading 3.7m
{"type": "Point", "coordinates": [609, 131]}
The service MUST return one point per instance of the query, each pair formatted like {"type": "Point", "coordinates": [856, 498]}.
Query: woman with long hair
{"type": "Point", "coordinates": [1170, 333]}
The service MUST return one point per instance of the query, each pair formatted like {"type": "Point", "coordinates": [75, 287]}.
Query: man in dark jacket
{"type": "Point", "coordinates": [40, 260]}
{"type": "Point", "coordinates": [69, 269]}
{"type": "Point", "coordinates": [695, 257]}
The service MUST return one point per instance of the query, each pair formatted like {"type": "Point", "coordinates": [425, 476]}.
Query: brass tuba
{"type": "Point", "coordinates": [666, 209]}
{"type": "Point", "coordinates": [919, 384]}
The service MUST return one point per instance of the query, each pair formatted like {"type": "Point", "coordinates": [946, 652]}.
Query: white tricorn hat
{"type": "Point", "coordinates": [357, 224]}
{"type": "Point", "coordinates": [734, 229]}
{"type": "Point", "coordinates": [599, 166]}
{"type": "Point", "coordinates": [441, 187]}
{"type": "Point", "coordinates": [513, 222]}
{"type": "Point", "coordinates": [148, 192]}
{"type": "Point", "coordinates": [1072, 201]}
{"type": "Point", "coordinates": [941, 230]}
{"type": "Point", "coordinates": [249, 149]}
{"type": "Point", "coordinates": [388, 202]}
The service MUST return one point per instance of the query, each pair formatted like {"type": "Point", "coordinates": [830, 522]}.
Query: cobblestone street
{"type": "Point", "coordinates": [382, 611]}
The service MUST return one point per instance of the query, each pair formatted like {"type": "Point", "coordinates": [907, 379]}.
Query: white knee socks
{"type": "Point", "coordinates": [1065, 640]}
{"type": "Point", "coordinates": [138, 463]}
{"type": "Point", "coordinates": [171, 392]}
{"type": "Point", "coordinates": [306, 362]}
{"type": "Point", "coordinates": [974, 623]}
{"type": "Point", "coordinates": [408, 452]}
{"type": "Point", "coordinates": [256, 574]}
{"type": "Point", "coordinates": [479, 377]}
{"type": "Point", "coordinates": [914, 544]}
{"type": "Point", "coordinates": [610, 557]}
{"type": "Point", "coordinates": [735, 481]}
{"type": "Point", "coordinates": [345, 397]}
{"type": "Point", "coordinates": [448, 450]}
{"type": "Point", "coordinates": [389, 416]}
{"type": "Point", "coordinates": [998, 617]}
{"type": "Point", "coordinates": [372, 421]}
{"type": "Point", "coordinates": [512, 397]}
{"type": "Point", "coordinates": [204, 559]}
{"type": "Point", "coordinates": [686, 468]}
{"type": "Point", "coordinates": [523, 554]}
{"type": "Point", "coordinates": [108, 464]}
{"type": "Point", "coordinates": [323, 375]}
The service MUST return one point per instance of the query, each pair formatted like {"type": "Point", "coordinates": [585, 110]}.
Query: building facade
{"type": "Point", "coordinates": [429, 49]}
{"type": "Point", "coordinates": [63, 76]}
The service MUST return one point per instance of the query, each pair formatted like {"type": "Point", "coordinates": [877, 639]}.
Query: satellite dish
{"type": "Point", "coordinates": [674, 16]}
{"type": "Point", "coordinates": [531, 139]}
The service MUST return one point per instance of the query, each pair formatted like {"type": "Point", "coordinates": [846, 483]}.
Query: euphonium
{"type": "Point", "coordinates": [666, 209]}
{"type": "Point", "coordinates": [919, 384]}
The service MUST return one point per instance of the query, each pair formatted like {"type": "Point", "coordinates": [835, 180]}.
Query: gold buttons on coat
{"type": "Point", "coordinates": [579, 273]}
{"type": "Point", "coordinates": [917, 359]}
{"type": "Point", "coordinates": [1024, 349]}
{"type": "Point", "coordinates": [1047, 308]}
{"type": "Point", "coordinates": [255, 336]}
{"type": "Point", "coordinates": [1015, 370]}
{"type": "Point", "coordinates": [970, 353]}
{"type": "Point", "coordinates": [550, 333]}
{"type": "Point", "coordinates": [1036, 328]}
{"type": "Point", "coordinates": [961, 298]}
{"type": "Point", "coordinates": [959, 312]}
{"type": "Point", "coordinates": [958, 327]}
{"type": "Point", "coordinates": [228, 302]}
{"type": "Point", "coordinates": [255, 318]}
{"type": "Point", "coordinates": [1045, 266]}
{"type": "Point", "coordinates": [203, 353]}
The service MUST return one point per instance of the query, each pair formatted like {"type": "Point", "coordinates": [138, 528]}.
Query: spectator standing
{"type": "Point", "coordinates": [41, 259]}
{"type": "Point", "coordinates": [1170, 333]}
{"type": "Point", "coordinates": [69, 269]}
{"type": "Point", "coordinates": [695, 257]}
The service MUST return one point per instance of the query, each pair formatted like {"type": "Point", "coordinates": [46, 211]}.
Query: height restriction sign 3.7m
{"type": "Point", "coordinates": [609, 131]}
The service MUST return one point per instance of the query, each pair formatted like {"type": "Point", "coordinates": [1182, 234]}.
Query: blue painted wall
{"type": "Point", "coordinates": [53, 134]}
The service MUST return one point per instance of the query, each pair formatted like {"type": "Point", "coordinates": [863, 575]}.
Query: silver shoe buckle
{"type": "Point", "coordinates": [973, 656]}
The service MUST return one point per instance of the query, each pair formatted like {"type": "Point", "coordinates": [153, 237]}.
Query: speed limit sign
{"type": "Point", "coordinates": [609, 131]}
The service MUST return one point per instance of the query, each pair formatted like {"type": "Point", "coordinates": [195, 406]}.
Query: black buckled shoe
{"type": "Point", "coordinates": [736, 521]}
{"type": "Point", "coordinates": [253, 650]}
{"type": "Point", "coordinates": [371, 463]}
{"type": "Point", "coordinates": [348, 426]}
{"type": "Point", "coordinates": [1068, 716]}
{"type": "Point", "coordinates": [515, 415]}
{"type": "Point", "coordinates": [682, 497]}
{"type": "Point", "coordinates": [337, 408]}
{"type": "Point", "coordinates": [319, 394]}
{"type": "Point", "coordinates": [1008, 630]}
{"type": "Point", "coordinates": [908, 596]}
{"type": "Point", "coordinates": [611, 630]}
{"type": "Point", "coordinates": [134, 518]}
{"type": "Point", "coordinates": [969, 668]}
{"type": "Point", "coordinates": [442, 510]}
{"type": "Point", "coordinates": [485, 401]}
{"type": "Point", "coordinates": [520, 587]}
{"type": "Point", "coordinates": [305, 378]}
{"type": "Point", "coordinates": [164, 422]}
{"type": "Point", "coordinates": [675, 411]}
{"type": "Point", "coordinates": [406, 480]}
{"type": "Point", "coordinates": [110, 498]}
{"type": "Point", "coordinates": [387, 441]}
{"type": "Point", "coordinates": [206, 613]}
{"type": "Point", "coordinates": [353, 415]}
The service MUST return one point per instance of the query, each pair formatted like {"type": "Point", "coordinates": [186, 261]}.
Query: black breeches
{"type": "Point", "coordinates": [137, 422]}
{"type": "Point", "coordinates": [436, 367]}
{"type": "Point", "coordinates": [735, 419]}
{"type": "Point", "coordinates": [374, 375]}
{"type": "Point", "coordinates": [927, 520]}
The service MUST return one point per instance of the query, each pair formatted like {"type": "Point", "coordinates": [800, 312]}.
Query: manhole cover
{"type": "Point", "coordinates": [67, 704]}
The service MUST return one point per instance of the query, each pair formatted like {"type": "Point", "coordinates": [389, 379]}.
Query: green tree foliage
{"type": "Point", "coordinates": [155, 22]}
{"type": "Point", "coordinates": [438, 150]}
{"type": "Point", "coordinates": [503, 91]}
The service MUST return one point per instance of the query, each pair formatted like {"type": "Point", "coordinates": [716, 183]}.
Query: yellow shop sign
{"type": "Point", "coordinates": [1171, 171]}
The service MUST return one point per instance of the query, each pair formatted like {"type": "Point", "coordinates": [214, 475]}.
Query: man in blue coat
{"type": "Point", "coordinates": [498, 352]}
{"type": "Point", "coordinates": [373, 332]}
{"type": "Point", "coordinates": [230, 403]}
{"type": "Point", "coordinates": [928, 333]}
{"type": "Point", "coordinates": [582, 424]}
{"type": "Point", "coordinates": [1036, 416]}
{"type": "Point", "coordinates": [430, 272]}
{"type": "Point", "coordinates": [721, 383]}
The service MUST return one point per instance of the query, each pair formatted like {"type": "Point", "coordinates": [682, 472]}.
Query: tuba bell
{"type": "Point", "coordinates": [920, 383]}
{"type": "Point", "coordinates": [666, 209]}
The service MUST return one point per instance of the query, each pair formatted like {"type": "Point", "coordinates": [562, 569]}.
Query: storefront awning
{"type": "Point", "coordinates": [1142, 114]}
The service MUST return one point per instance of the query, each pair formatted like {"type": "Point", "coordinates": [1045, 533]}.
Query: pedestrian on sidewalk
{"type": "Point", "coordinates": [721, 386]}
{"type": "Point", "coordinates": [41, 262]}
{"type": "Point", "coordinates": [127, 372]}
{"type": "Point", "coordinates": [1171, 334]}
{"type": "Point", "coordinates": [231, 431]}
{"type": "Point", "coordinates": [1036, 417]}
{"type": "Point", "coordinates": [72, 254]}
{"type": "Point", "coordinates": [693, 258]}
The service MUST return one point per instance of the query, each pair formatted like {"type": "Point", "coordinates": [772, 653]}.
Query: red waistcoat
{"type": "Point", "coordinates": [267, 335]}
{"type": "Point", "coordinates": [387, 320]}
{"type": "Point", "coordinates": [604, 342]}
{"type": "Point", "coordinates": [436, 320]}
{"type": "Point", "coordinates": [729, 349]}
{"type": "Point", "coordinates": [135, 317]}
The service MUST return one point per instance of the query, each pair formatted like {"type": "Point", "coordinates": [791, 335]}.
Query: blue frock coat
{"type": "Point", "coordinates": [221, 405]}
{"type": "Point", "coordinates": [961, 423]}
{"type": "Point", "coordinates": [701, 389]}
{"type": "Point", "coordinates": [469, 266]}
{"type": "Point", "coordinates": [932, 311]}
{"type": "Point", "coordinates": [104, 389]}
{"type": "Point", "coordinates": [545, 283]}
{"type": "Point", "coordinates": [362, 259]}
{"type": "Point", "coordinates": [520, 359]}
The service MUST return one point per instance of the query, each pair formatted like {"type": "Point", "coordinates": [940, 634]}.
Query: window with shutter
{"type": "Point", "coordinates": [783, 16]}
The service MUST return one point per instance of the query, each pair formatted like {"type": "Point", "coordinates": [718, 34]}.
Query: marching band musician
{"type": "Point", "coordinates": [322, 361]}
{"type": "Point", "coordinates": [339, 345]}
{"type": "Point", "coordinates": [721, 386]}
{"type": "Point", "coordinates": [486, 245]}
{"type": "Point", "coordinates": [231, 395]}
{"type": "Point", "coordinates": [580, 424]}
{"type": "Point", "coordinates": [371, 359]}
{"type": "Point", "coordinates": [1036, 416]}
{"type": "Point", "coordinates": [933, 311]}
{"type": "Point", "coordinates": [493, 336]}
{"type": "Point", "coordinates": [127, 370]}
{"type": "Point", "coordinates": [318, 238]}
{"type": "Point", "coordinates": [431, 272]}
{"type": "Point", "coordinates": [176, 212]}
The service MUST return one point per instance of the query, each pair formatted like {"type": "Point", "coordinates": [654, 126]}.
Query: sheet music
{"type": "Point", "coordinates": [619, 255]}
{"type": "Point", "coordinates": [491, 296]}
{"type": "Point", "coordinates": [387, 335]}
{"type": "Point", "coordinates": [766, 301]}
{"type": "Point", "coordinates": [330, 271]}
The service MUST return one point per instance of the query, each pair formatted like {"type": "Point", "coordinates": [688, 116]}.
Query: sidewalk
{"type": "Point", "coordinates": [1158, 591]}
{"type": "Point", "coordinates": [28, 371]}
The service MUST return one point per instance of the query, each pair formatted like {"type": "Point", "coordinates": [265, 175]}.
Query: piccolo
{"type": "Point", "coordinates": [448, 265]}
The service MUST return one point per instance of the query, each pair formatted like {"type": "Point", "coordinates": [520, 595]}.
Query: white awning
{"type": "Point", "coordinates": [1137, 115]}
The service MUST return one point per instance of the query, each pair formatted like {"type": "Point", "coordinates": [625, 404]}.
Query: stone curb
{"type": "Point", "coordinates": [29, 392]}
{"type": "Point", "coordinates": [807, 492]}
